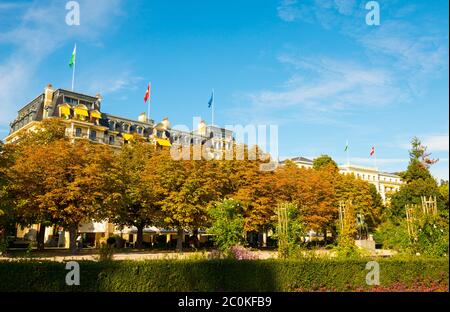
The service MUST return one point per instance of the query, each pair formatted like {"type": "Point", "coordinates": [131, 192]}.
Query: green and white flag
{"type": "Point", "coordinates": [72, 59]}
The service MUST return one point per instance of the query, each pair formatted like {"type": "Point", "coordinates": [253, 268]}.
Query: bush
{"type": "Point", "coordinates": [227, 224]}
{"type": "Point", "coordinates": [106, 252]}
{"type": "Point", "coordinates": [224, 275]}
{"type": "Point", "coordinates": [111, 241]}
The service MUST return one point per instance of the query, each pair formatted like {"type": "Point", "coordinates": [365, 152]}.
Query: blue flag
{"type": "Point", "coordinates": [211, 100]}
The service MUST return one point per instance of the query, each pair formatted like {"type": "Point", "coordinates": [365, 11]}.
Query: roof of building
{"type": "Point", "coordinates": [299, 159]}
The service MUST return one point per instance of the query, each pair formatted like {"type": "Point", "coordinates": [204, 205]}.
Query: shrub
{"type": "Point", "coordinates": [224, 275]}
{"type": "Point", "coordinates": [106, 252]}
{"type": "Point", "coordinates": [227, 224]}
{"type": "Point", "coordinates": [241, 253]}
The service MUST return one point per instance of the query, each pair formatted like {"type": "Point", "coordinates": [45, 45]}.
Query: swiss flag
{"type": "Point", "coordinates": [372, 151]}
{"type": "Point", "coordinates": [147, 94]}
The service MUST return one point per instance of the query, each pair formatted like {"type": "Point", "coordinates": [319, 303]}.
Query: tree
{"type": "Point", "coordinates": [189, 187]}
{"type": "Point", "coordinates": [26, 211]}
{"type": "Point", "coordinates": [255, 189]}
{"type": "Point", "coordinates": [419, 181]}
{"type": "Point", "coordinates": [443, 189]}
{"type": "Point", "coordinates": [363, 195]}
{"type": "Point", "coordinates": [61, 183]}
{"type": "Point", "coordinates": [324, 161]}
{"type": "Point", "coordinates": [419, 163]}
{"type": "Point", "coordinates": [227, 224]}
{"type": "Point", "coordinates": [135, 200]}
{"type": "Point", "coordinates": [432, 230]}
{"type": "Point", "coordinates": [6, 208]}
{"type": "Point", "coordinates": [311, 191]}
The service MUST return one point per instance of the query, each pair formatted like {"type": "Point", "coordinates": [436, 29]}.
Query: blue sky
{"type": "Point", "coordinates": [314, 68]}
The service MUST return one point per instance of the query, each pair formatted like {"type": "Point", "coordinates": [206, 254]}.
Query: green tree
{"type": "Point", "coordinates": [443, 190]}
{"type": "Point", "coordinates": [227, 224]}
{"type": "Point", "coordinates": [324, 161]}
{"type": "Point", "coordinates": [419, 163]}
{"type": "Point", "coordinates": [432, 230]}
{"type": "Point", "coordinates": [418, 181]}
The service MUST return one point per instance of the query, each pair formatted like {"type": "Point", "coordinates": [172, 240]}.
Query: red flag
{"type": "Point", "coordinates": [147, 94]}
{"type": "Point", "coordinates": [372, 151]}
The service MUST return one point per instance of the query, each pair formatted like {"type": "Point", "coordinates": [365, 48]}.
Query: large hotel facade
{"type": "Point", "coordinates": [84, 119]}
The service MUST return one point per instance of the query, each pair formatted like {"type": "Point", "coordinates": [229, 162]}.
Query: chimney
{"type": "Point", "coordinates": [48, 95]}
{"type": "Point", "coordinates": [142, 117]}
{"type": "Point", "coordinates": [166, 123]}
{"type": "Point", "coordinates": [48, 99]}
{"type": "Point", "coordinates": [202, 128]}
{"type": "Point", "coordinates": [97, 103]}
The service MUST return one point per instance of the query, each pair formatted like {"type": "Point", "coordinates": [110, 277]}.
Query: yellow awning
{"type": "Point", "coordinates": [163, 142]}
{"type": "Point", "coordinates": [127, 136]}
{"type": "Point", "coordinates": [96, 114]}
{"type": "Point", "coordinates": [64, 110]}
{"type": "Point", "coordinates": [81, 112]}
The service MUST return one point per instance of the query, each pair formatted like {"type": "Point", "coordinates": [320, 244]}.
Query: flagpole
{"type": "Point", "coordinates": [149, 101]}
{"type": "Point", "coordinates": [348, 160]}
{"type": "Point", "coordinates": [73, 72]}
{"type": "Point", "coordinates": [212, 108]}
{"type": "Point", "coordinates": [375, 158]}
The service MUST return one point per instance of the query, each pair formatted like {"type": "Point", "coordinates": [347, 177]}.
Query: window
{"type": "Point", "coordinates": [111, 139]}
{"type": "Point", "coordinates": [93, 135]}
{"type": "Point", "coordinates": [78, 132]}
{"type": "Point", "coordinates": [70, 100]}
{"type": "Point", "coordinates": [89, 105]}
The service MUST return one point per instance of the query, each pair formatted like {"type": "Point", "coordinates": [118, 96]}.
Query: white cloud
{"type": "Point", "coordinates": [437, 143]}
{"type": "Point", "coordinates": [320, 89]}
{"type": "Point", "coordinates": [120, 82]}
{"type": "Point", "coordinates": [37, 30]}
{"type": "Point", "coordinates": [417, 50]}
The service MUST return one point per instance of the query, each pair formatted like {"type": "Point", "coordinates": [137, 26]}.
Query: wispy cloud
{"type": "Point", "coordinates": [322, 88]}
{"type": "Point", "coordinates": [124, 81]}
{"type": "Point", "coordinates": [416, 49]}
{"type": "Point", "coordinates": [39, 29]}
{"type": "Point", "coordinates": [437, 142]}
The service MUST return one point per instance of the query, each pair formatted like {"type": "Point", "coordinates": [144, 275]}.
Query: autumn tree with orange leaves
{"type": "Point", "coordinates": [61, 183]}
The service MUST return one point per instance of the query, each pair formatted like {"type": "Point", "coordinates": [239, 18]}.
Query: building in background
{"type": "Point", "coordinates": [385, 183]}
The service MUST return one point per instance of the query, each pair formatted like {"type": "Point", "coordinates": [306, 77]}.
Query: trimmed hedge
{"type": "Point", "coordinates": [222, 275]}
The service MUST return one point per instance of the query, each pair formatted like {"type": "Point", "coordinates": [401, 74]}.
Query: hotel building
{"type": "Point", "coordinates": [84, 119]}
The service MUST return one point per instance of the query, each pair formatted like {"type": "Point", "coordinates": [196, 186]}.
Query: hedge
{"type": "Point", "coordinates": [222, 275]}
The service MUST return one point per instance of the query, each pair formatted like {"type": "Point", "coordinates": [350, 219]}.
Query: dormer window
{"type": "Point", "coordinates": [81, 112]}
{"type": "Point", "coordinates": [64, 111]}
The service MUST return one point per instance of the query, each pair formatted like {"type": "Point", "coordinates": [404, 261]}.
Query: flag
{"type": "Point", "coordinates": [211, 100]}
{"type": "Point", "coordinates": [74, 54]}
{"type": "Point", "coordinates": [147, 93]}
{"type": "Point", "coordinates": [372, 151]}
{"type": "Point", "coordinates": [346, 147]}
